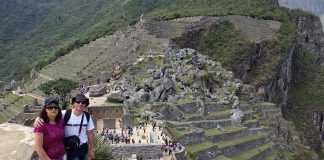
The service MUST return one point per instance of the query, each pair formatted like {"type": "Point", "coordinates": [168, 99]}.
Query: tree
{"type": "Point", "coordinates": [60, 87]}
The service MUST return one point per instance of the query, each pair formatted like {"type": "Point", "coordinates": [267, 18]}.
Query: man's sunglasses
{"type": "Point", "coordinates": [52, 108]}
{"type": "Point", "coordinates": [83, 102]}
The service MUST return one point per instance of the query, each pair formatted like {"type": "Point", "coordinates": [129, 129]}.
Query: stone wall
{"type": "Point", "coordinates": [212, 107]}
{"type": "Point", "coordinates": [209, 153]}
{"type": "Point", "coordinates": [21, 118]}
{"type": "Point", "coordinates": [127, 120]}
{"type": "Point", "coordinates": [188, 107]}
{"type": "Point", "coordinates": [101, 112]}
{"type": "Point", "coordinates": [109, 123]}
{"type": "Point", "coordinates": [241, 147]}
{"type": "Point", "coordinates": [144, 151]}
{"type": "Point", "coordinates": [231, 135]}
{"type": "Point", "coordinates": [211, 124]}
{"type": "Point", "coordinates": [192, 138]}
{"type": "Point", "coordinates": [264, 153]}
{"type": "Point", "coordinates": [180, 155]}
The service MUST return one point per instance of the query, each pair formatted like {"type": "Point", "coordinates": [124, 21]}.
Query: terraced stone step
{"type": "Point", "coordinates": [251, 123]}
{"type": "Point", "coordinates": [216, 135]}
{"type": "Point", "coordinates": [271, 111]}
{"type": "Point", "coordinates": [272, 156]}
{"type": "Point", "coordinates": [265, 105]}
{"type": "Point", "coordinates": [245, 107]}
{"type": "Point", "coordinates": [222, 158]}
{"type": "Point", "coordinates": [257, 153]}
{"type": "Point", "coordinates": [204, 124]}
{"type": "Point", "coordinates": [242, 144]}
{"type": "Point", "coordinates": [194, 148]}
{"type": "Point", "coordinates": [219, 115]}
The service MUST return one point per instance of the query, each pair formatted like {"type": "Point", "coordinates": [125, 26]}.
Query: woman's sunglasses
{"type": "Point", "coordinates": [52, 108]}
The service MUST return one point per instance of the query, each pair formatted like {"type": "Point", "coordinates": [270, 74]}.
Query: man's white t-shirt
{"type": "Point", "coordinates": [73, 129]}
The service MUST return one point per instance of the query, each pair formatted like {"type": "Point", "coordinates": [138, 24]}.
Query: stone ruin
{"type": "Point", "coordinates": [98, 90]}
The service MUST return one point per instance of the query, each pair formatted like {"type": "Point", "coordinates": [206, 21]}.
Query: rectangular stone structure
{"type": "Point", "coordinates": [127, 120]}
{"type": "Point", "coordinates": [109, 123]}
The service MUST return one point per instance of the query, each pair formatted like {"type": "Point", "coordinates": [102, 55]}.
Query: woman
{"type": "Point", "coordinates": [49, 137]}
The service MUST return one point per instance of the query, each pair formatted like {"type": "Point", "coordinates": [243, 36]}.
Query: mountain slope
{"type": "Point", "coordinates": [30, 30]}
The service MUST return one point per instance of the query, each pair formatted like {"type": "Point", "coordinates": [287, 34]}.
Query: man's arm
{"type": "Point", "coordinates": [90, 135]}
{"type": "Point", "coordinates": [38, 122]}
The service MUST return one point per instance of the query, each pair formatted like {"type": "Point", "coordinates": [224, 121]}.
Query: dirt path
{"type": "Point", "coordinates": [41, 75]}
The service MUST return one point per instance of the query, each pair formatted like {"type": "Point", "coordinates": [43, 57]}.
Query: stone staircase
{"type": "Point", "coordinates": [253, 140]}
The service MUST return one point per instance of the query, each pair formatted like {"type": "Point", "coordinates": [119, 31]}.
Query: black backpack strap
{"type": "Point", "coordinates": [67, 116]}
{"type": "Point", "coordinates": [87, 115]}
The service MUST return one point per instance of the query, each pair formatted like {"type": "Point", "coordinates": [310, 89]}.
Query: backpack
{"type": "Point", "coordinates": [68, 115]}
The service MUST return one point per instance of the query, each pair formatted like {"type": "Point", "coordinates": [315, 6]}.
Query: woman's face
{"type": "Point", "coordinates": [52, 109]}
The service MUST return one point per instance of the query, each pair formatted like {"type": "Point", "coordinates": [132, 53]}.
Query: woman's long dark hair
{"type": "Point", "coordinates": [45, 118]}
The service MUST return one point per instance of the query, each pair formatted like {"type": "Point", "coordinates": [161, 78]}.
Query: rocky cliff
{"type": "Point", "coordinates": [315, 6]}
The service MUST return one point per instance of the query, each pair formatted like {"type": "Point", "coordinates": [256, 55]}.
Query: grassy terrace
{"type": "Point", "coordinates": [190, 114]}
{"type": "Point", "coordinates": [215, 131]}
{"type": "Point", "coordinates": [193, 148]}
{"type": "Point", "coordinates": [15, 105]}
{"type": "Point", "coordinates": [224, 144]}
{"type": "Point", "coordinates": [175, 134]}
{"type": "Point", "coordinates": [222, 158]}
{"type": "Point", "coordinates": [249, 154]}
{"type": "Point", "coordinates": [217, 113]}
{"type": "Point", "coordinates": [272, 156]}
{"type": "Point", "coordinates": [108, 103]}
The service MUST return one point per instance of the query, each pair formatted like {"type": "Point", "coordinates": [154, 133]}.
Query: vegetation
{"type": "Point", "coordinates": [223, 43]}
{"type": "Point", "coordinates": [175, 134]}
{"type": "Point", "coordinates": [15, 105]}
{"type": "Point", "coordinates": [216, 131]}
{"type": "Point", "coordinates": [306, 95]}
{"type": "Point", "coordinates": [35, 33]}
{"type": "Point", "coordinates": [60, 87]}
{"type": "Point", "coordinates": [102, 149]}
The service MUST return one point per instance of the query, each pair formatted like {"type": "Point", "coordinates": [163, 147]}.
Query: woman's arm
{"type": "Point", "coordinates": [38, 137]}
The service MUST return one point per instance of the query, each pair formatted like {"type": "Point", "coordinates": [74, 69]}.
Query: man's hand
{"type": "Point", "coordinates": [38, 122]}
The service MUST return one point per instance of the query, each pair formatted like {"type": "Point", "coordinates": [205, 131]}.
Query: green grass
{"type": "Point", "coordinates": [306, 96]}
{"type": "Point", "coordinates": [272, 156]}
{"type": "Point", "coordinates": [41, 32]}
{"type": "Point", "coordinates": [193, 148]}
{"type": "Point", "coordinates": [108, 103]}
{"type": "Point", "coordinates": [222, 158]}
{"type": "Point", "coordinates": [175, 134]}
{"type": "Point", "coordinates": [190, 114]}
{"type": "Point", "coordinates": [231, 142]}
{"type": "Point", "coordinates": [216, 113]}
{"type": "Point", "coordinates": [185, 100]}
{"type": "Point", "coordinates": [250, 153]}
{"type": "Point", "coordinates": [215, 131]}
{"type": "Point", "coordinates": [15, 103]}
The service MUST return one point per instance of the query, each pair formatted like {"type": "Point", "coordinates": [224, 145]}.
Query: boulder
{"type": "Point", "coordinates": [131, 103]}
{"type": "Point", "coordinates": [116, 97]}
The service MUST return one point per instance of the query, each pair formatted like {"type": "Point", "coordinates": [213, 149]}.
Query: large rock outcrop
{"type": "Point", "coordinates": [16, 142]}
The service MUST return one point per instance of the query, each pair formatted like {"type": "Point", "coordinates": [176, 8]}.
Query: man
{"type": "Point", "coordinates": [72, 120]}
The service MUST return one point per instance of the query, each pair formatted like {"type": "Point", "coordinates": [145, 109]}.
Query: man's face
{"type": "Point", "coordinates": [79, 105]}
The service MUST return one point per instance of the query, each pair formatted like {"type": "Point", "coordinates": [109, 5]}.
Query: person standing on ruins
{"type": "Point", "coordinates": [49, 137]}
{"type": "Point", "coordinates": [77, 122]}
